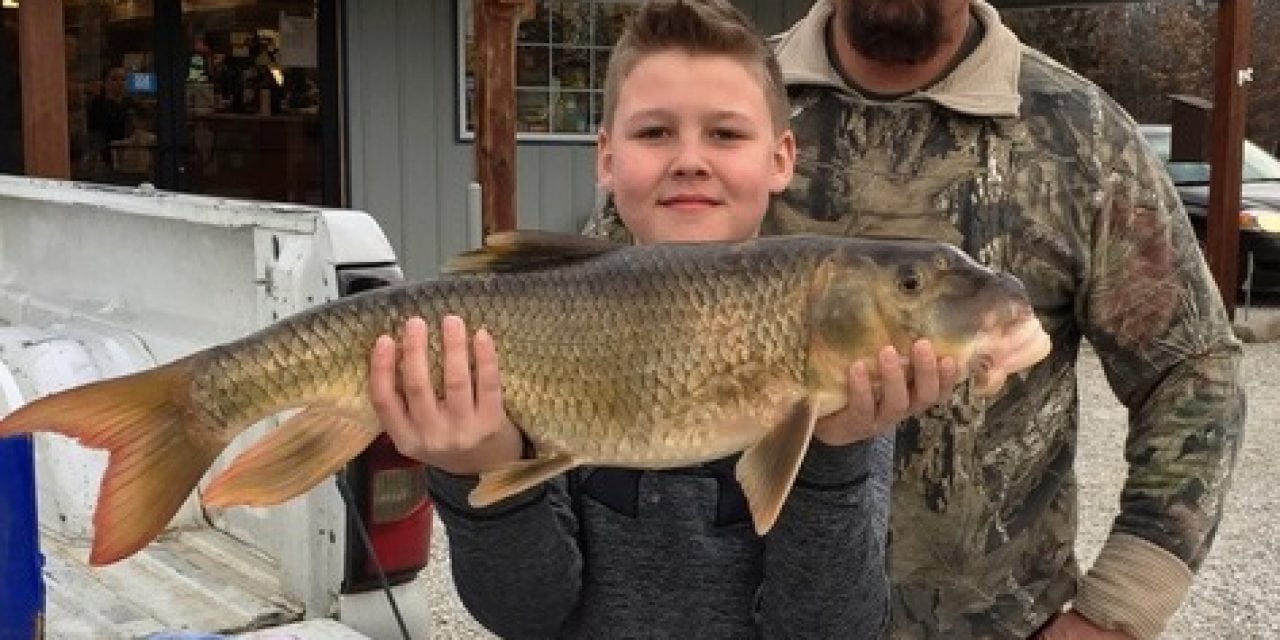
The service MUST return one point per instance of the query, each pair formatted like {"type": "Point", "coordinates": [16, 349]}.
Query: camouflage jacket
{"type": "Point", "coordinates": [1034, 171]}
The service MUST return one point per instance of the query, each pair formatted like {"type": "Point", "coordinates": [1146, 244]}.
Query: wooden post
{"type": "Point", "coordinates": [46, 136]}
{"type": "Point", "coordinates": [495, 151]}
{"type": "Point", "coordinates": [1231, 71]}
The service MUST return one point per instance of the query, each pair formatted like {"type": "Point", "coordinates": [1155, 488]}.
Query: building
{"type": "Point", "coordinates": [359, 104]}
{"type": "Point", "coordinates": [331, 102]}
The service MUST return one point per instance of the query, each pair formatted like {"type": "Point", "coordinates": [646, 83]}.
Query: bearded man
{"type": "Point", "coordinates": [928, 118]}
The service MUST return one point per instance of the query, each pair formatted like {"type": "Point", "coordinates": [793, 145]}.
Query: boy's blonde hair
{"type": "Point", "coordinates": [696, 27]}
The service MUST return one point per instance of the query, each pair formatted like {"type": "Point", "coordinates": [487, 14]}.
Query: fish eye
{"type": "Point", "coordinates": [909, 280]}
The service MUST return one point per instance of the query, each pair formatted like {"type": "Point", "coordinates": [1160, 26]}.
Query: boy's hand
{"type": "Point", "coordinates": [465, 432]}
{"type": "Point", "coordinates": [870, 413]}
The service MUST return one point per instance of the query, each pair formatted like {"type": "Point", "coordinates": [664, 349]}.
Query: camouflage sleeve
{"type": "Point", "coordinates": [606, 223]}
{"type": "Point", "coordinates": [1150, 308]}
{"type": "Point", "coordinates": [516, 564]}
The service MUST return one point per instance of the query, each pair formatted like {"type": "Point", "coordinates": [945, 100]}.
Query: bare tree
{"type": "Point", "coordinates": [1144, 52]}
{"type": "Point", "coordinates": [1264, 91]}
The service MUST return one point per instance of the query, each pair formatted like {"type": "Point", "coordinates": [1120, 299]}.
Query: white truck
{"type": "Point", "coordinates": [99, 281]}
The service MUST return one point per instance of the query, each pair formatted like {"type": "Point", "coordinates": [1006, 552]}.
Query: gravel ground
{"type": "Point", "coordinates": [1236, 594]}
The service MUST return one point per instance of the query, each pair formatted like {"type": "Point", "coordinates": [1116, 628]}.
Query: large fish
{"type": "Point", "coordinates": [648, 357]}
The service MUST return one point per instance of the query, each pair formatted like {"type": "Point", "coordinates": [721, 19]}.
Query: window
{"type": "Point", "coordinates": [219, 98]}
{"type": "Point", "coordinates": [561, 57]}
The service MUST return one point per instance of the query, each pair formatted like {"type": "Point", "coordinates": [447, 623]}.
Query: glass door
{"type": "Point", "coordinates": [113, 107]}
{"type": "Point", "coordinates": [251, 100]}
{"type": "Point", "coordinates": [234, 98]}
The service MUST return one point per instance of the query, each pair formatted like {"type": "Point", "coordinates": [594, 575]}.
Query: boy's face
{"type": "Point", "coordinates": [691, 154]}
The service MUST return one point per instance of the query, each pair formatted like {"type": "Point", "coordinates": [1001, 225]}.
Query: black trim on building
{"type": "Point", "coordinates": [331, 32]}
{"type": "Point", "coordinates": [170, 66]}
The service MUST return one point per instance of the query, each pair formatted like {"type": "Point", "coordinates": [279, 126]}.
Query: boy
{"type": "Point", "coordinates": [694, 142]}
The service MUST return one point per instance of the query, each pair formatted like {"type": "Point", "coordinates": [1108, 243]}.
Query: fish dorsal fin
{"type": "Point", "coordinates": [529, 250]}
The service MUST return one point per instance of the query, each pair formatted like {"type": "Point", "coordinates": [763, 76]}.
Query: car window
{"type": "Point", "coordinates": [1159, 141]}
{"type": "Point", "coordinates": [1188, 172]}
{"type": "Point", "coordinates": [1258, 165]}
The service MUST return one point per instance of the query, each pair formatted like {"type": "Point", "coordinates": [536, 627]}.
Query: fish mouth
{"type": "Point", "coordinates": [1014, 346]}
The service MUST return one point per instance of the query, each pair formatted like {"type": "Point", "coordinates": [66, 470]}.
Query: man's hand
{"type": "Point", "coordinates": [870, 413]}
{"type": "Point", "coordinates": [464, 432]}
{"type": "Point", "coordinates": [1073, 626]}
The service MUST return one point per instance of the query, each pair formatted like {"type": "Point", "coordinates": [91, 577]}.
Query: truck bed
{"type": "Point", "coordinates": [140, 277]}
{"type": "Point", "coordinates": [197, 580]}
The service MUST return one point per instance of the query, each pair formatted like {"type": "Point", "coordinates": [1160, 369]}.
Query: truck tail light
{"type": "Point", "coordinates": [388, 490]}
{"type": "Point", "coordinates": [391, 497]}
{"type": "Point", "coordinates": [396, 493]}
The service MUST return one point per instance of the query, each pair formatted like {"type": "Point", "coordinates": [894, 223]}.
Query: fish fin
{"type": "Point", "coordinates": [529, 250]}
{"type": "Point", "coordinates": [295, 456]}
{"type": "Point", "coordinates": [153, 459]}
{"type": "Point", "coordinates": [767, 469]}
{"type": "Point", "coordinates": [511, 479]}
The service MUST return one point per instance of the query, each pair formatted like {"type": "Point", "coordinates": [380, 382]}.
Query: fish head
{"type": "Point", "coordinates": [872, 293]}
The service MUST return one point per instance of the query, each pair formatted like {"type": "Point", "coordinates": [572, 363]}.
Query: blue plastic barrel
{"type": "Point", "coordinates": [21, 587]}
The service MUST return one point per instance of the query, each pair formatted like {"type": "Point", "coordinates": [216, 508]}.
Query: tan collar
{"type": "Point", "coordinates": [984, 84]}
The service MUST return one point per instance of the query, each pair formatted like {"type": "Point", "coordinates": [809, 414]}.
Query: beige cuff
{"type": "Point", "coordinates": [1134, 586]}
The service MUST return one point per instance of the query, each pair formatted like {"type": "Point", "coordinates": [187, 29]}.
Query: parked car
{"type": "Point", "coordinates": [1259, 205]}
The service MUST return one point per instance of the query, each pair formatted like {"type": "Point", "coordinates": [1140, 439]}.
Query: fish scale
{"type": "Point", "coordinates": [544, 356]}
{"type": "Point", "coordinates": [646, 357]}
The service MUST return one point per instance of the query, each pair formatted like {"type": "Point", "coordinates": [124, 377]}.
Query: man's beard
{"type": "Point", "coordinates": [893, 31]}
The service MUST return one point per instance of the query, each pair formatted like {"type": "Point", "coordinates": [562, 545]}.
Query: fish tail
{"type": "Point", "coordinates": [154, 460]}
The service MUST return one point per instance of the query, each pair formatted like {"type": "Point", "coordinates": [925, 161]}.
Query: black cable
{"type": "Point", "coordinates": [353, 509]}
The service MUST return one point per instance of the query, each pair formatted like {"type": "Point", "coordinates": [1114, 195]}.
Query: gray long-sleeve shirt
{"type": "Point", "coordinates": [612, 553]}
